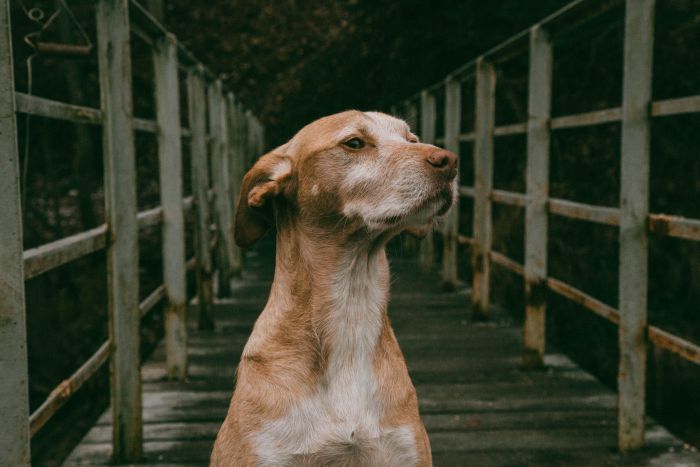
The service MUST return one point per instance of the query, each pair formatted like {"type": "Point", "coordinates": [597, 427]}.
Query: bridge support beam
{"type": "Point", "coordinates": [634, 210]}
{"type": "Point", "coordinates": [14, 392]}
{"type": "Point", "coordinates": [196, 98]}
{"type": "Point", "coordinates": [121, 207]}
{"type": "Point", "coordinates": [167, 89]}
{"type": "Point", "coordinates": [426, 253]}
{"type": "Point", "coordinates": [539, 105]}
{"type": "Point", "coordinates": [453, 116]}
{"type": "Point", "coordinates": [222, 191]}
{"type": "Point", "coordinates": [236, 154]}
{"type": "Point", "coordinates": [483, 185]}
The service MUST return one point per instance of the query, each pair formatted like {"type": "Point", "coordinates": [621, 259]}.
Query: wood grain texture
{"type": "Point", "coordinates": [167, 88]}
{"type": "Point", "coordinates": [479, 407]}
{"type": "Point", "coordinates": [634, 210]}
{"type": "Point", "coordinates": [114, 58]}
{"type": "Point", "coordinates": [14, 391]}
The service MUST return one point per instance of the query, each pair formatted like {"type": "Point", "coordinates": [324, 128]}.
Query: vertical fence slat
{"type": "Point", "coordinates": [483, 184]}
{"type": "Point", "coordinates": [634, 209]}
{"type": "Point", "coordinates": [236, 142]}
{"type": "Point", "coordinates": [121, 206]}
{"type": "Point", "coordinates": [196, 101]}
{"type": "Point", "coordinates": [220, 175]}
{"type": "Point", "coordinates": [170, 167]}
{"type": "Point", "coordinates": [14, 392]}
{"type": "Point", "coordinates": [426, 254]}
{"type": "Point", "coordinates": [453, 115]}
{"type": "Point", "coordinates": [539, 105]}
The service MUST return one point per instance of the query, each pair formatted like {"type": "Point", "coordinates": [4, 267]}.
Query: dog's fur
{"type": "Point", "coordinates": [322, 381]}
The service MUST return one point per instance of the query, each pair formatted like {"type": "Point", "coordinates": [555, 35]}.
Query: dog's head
{"type": "Point", "coordinates": [348, 173]}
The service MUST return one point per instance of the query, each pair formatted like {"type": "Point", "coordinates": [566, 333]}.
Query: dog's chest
{"type": "Point", "coordinates": [338, 425]}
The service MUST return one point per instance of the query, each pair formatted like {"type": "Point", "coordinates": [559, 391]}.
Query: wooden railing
{"type": "Point", "coordinates": [632, 217]}
{"type": "Point", "coordinates": [228, 141]}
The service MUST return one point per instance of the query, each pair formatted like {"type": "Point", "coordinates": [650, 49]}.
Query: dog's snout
{"type": "Point", "coordinates": [443, 160]}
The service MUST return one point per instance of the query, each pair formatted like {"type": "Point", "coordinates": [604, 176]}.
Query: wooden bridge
{"type": "Point", "coordinates": [490, 393]}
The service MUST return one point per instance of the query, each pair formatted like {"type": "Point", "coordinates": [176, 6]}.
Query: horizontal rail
{"type": "Point", "coordinates": [464, 240]}
{"type": "Point", "coordinates": [64, 391]}
{"type": "Point", "coordinates": [150, 217]}
{"type": "Point", "coordinates": [466, 191]}
{"type": "Point", "coordinates": [584, 212]}
{"type": "Point", "coordinates": [506, 262]}
{"type": "Point", "coordinates": [681, 105]}
{"type": "Point", "coordinates": [48, 108]}
{"type": "Point", "coordinates": [597, 117]}
{"type": "Point", "coordinates": [508, 197]}
{"type": "Point", "coordinates": [583, 299]}
{"type": "Point", "coordinates": [467, 137]}
{"type": "Point", "coordinates": [145, 125]}
{"type": "Point", "coordinates": [674, 344]}
{"type": "Point", "coordinates": [152, 300]}
{"type": "Point", "coordinates": [661, 338]}
{"type": "Point", "coordinates": [69, 386]}
{"type": "Point", "coordinates": [674, 226]}
{"type": "Point", "coordinates": [512, 129]}
{"type": "Point", "coordinates": [52, 255]}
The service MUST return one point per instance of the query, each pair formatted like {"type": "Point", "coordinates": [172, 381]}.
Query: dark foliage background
{"type": "Point", "coordinates": [292, 61]}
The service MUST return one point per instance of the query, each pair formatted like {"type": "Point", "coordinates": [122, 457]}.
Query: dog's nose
{"type": "Point", "coordinates": [443, 160]}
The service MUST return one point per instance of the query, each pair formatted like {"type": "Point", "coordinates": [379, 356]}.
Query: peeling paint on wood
{"type": "Point", "coordinates": [121, 208]}
{"type": "Point", "coordinates": [14, 391]}
{"type": "Point", "coordinates": [170, 166]}
{"type": "Point", "coordinates": [536, 227]}
{"type": "Point", "coordinates": [483, 184]}
{"type": "Point", "coordinates": [634, 211]}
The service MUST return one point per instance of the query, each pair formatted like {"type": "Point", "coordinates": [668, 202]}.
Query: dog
{"type": "Point", "coordinates": [322, 380]}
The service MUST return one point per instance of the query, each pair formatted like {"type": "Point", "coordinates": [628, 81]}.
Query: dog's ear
{"type": "Point", "coordinates": [267, 179]}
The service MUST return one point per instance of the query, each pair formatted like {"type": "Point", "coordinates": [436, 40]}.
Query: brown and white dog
{"type": "Point", "coordinates": [322, 381]}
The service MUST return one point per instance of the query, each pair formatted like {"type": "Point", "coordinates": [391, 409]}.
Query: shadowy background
{"type": "Point", "coordinates": [294, 61]}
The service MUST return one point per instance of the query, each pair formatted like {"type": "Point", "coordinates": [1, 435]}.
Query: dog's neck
{"type": "Point", "coordinates": [338, 287]}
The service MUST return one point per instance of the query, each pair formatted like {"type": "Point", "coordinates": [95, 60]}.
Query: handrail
{"type": "Point", "coordinates": [633, 116]}
{"type": "Point", "coordinates": [119, 234]}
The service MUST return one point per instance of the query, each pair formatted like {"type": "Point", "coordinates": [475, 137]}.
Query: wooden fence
{"type": "Point", "coordinates": [632, 217]}
{"type": "Point", "coordinates": [221, 132]}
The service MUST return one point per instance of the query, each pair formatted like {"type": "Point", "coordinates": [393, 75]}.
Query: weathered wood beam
{"type": "Point", "coordinates": [167, 90]}
{"type": "Point", "coordinates": [14, 390]}
{"type": "Point", "coordinates": [426, 253]}
{"type": "Point", "coordinates": [483, 184]}
{"type": "Point", "coordinates": [196, 98]}
{"type": "Point", "coordinates": [121, 211]}
{"type": "Point", "coordinates": [634, 211]}
{"type": "Point", "coordinates": [536, 227]}
{"type": "Point", "coordinates": [453, 116]}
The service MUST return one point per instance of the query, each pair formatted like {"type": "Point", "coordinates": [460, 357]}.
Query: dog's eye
{"type": "Point", "coordinates": [354, 143]}
{"type": "Point", "coordinates": [413, 140]}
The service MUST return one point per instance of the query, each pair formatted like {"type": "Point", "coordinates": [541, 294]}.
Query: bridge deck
{"type": "Point", "coordinates": [479, 407]}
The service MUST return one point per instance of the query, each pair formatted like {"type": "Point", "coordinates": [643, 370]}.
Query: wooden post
{"type": "Point", "coordinates": [196, 98]}
{"type": "Point", "coordinates": [14, 391]}
{"type": "Point", "coordinates": [539, 104]}
{"type": "Point", "coordinates": [251, 146]}
{"type": "Point", "coordinates": [222, 192]}
{"type": "Point", "coordinates": [483, 184]}
{"type": "Point", "coordinates": [170, 164]}
{"type": "Point", "coordinates": [453, 115]}
{"type": "Point", "coordinates": [121, 208]}
{"type": "Point", "coordinates": [236, 142]}
{"type": "Point", "coordinates": [634, 210]}
{"type": "Point", "coordinates": [426, 254]}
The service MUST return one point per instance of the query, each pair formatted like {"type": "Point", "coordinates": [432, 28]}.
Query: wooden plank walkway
{"type": "Point", "coordinates": [479, 407]}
